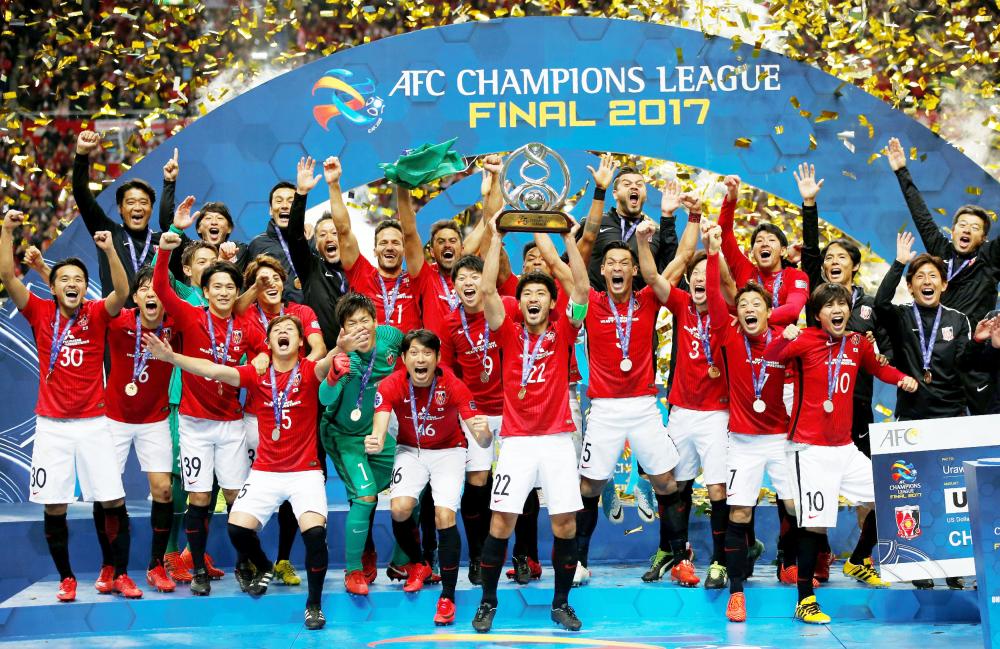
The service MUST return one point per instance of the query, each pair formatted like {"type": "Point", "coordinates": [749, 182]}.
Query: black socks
{"type": "Point", "coordinates": [57, 538]}
{"type": "Point", "coordinates": [586, 523]}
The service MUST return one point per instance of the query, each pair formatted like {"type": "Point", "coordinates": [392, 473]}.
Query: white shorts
{"type": "Point", "coordinates": [67, 449]}
{"type": "Point", "coordinates": [700, 438]}
{"type": "Point", "coordinates": [478, 458]}
{"type": "Point", "coordinates": [611, 422]}
{"type": "Point", "coordinates": [212, 448]}
{"type": "Point", "coordinates": [545, 460]}
{"type": "Point", "coordinates": [153, 445]}
{"type": "Point", "coordinates": [264, 492]}
{"type": "Point", "coordinates": [747, 457]}
{"type": "Point", "coordinates": [443, 468]}
{"type": "Point", "coordinates": [820, 474]}
{"type": "Point", "coordinates": [252, 433]}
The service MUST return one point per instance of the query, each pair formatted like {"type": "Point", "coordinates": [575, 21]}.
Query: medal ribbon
{"type": "Point", "coordinates": [140, 360]}
{"type": "Point", "coordinates": [211, 334]}
{"type": "Point", "coordinates": [927, 346]}
{"type": "Point", "coordinates": [703, 334]}
{"type": "Point", "coordinates": [263, 316]}
{"type": "Point", "coordinates": [468, 334]}
{"type": "Point", "coordinates": [137, 263]}
{"type": "Point", "coordinates": [833, 373]}
{"type": "Point", "coordinates": [759, 378]}
{"type": "Point", "coordinates": [777, 287]}
{"type": "Point", "coordinates": [528, 361]}
{"type": "Point", "coordinates": [624, 333]}
{"type": "Point", "coordinates": [58, 338]}
{"type": "Point", "coordinates": [278, 401]}
{"type": "Point", "coordinates": [960, 268]}
{"type": "Point", "coordinates": [628, 235]}
{"type": "Point", "coordinates": [450, 293]}
{"type": "Point", "coordinates": [389, 301]}
{"type": "Point", "coordinates": [419, 417]}
{"type": "Point", "coordinates": [365, 377]}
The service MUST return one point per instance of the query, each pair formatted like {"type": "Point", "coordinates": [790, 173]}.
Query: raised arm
{"type": "Point", "coordinates": [886, 314]}
{"type": "Point", "coordinates": [119, 279]}
{"type": "Point", "coordinates": [560, 269]}
{"type": "Point", "coordinates": [717, 308]}
{"type": "Point", "coordinates": [812, 265]}
{"type": "Point", "coordinates": [737, 261]}
{"type": "Point", "coordinates": [413, 246]}
{"type": "Point", "coordinates": [647, 265]}
{"type": "Point", "coordinates": [172, 304]}
{"type": "Point", "coordinates": [93, 216]}
{"type": "Point", "coordinates": [18, 292]}
{"type": "Point", "coordinates": [295, 232]}
{"type": "Point", "coordinates": [934, 241]}
{"type": "Point", "coordinates": [349, 251]}
{"type": "Point", "coordinates": [170, 171]}
{"type": "Point", "coordinates": [581, 279]}
{"type": "Point", "coordinates": [161, 350]}
{"type": "Point", "coordinates": [492, 203]}
{"type": "Point", "coordinates": [689, 239]}
{"type": "Point", "coordinates": [493, 305]}
{"type": "Point", "coordinates": [666, 251]}
{"type": "Point", "coordinates": [33, 259]}
{"type": "Point", "coordinates": [317, 347]}
{"type": "Point", "coordinates": [603, 176]}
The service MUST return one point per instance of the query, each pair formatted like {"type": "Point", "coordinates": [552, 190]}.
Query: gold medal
{"type": "Point", "coordinates": [927, 376]}
{"type": "Point", "coordinates": [713, 372]}
{"type": "Point", "coordinates": [131, 389]}
{"type": "Point", "coordinates": [484, 376]}
{"type": "Point", "coordinates": [523, 391]}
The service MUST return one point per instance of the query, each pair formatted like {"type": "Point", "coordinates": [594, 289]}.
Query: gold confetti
{"type": "Point", "coordinates": [827, 115]}
{"type": "Point", "coordinates": [742, 142]}
{"type": "Point", "coordinates": [975, 191]}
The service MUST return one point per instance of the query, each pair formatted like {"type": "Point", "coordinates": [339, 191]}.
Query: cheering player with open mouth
{"type": "Point", "coordinates": [211, 419]}
{"type": "Point", "coordinates": [758, 420]}
{"type": "Point", "coordinates": [537, 446]}
{"type": "Point", "coordinates": [287, 463]}
{"type": "Point", "coordinates": [429, 403]}
{"type": "Point", "coordinates": [72, 439]}
{"type": "Point", "coordinates": [823, 461]}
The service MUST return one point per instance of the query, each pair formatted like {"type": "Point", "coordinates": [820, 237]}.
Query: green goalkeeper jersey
{"type": "Point", "coordinates": [343, 397]}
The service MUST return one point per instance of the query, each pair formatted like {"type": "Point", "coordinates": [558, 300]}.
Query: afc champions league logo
{"type": "Point", "coordinates": [355, 99]}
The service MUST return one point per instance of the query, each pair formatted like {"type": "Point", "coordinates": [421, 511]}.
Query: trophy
{"type": "Point", "coordinates": [530, 204]}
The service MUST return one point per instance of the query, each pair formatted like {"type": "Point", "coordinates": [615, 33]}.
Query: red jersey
{"type": "Point", "coordinates": [405, 310]}
{"type": "Point", "coordinates": [466, 356]}
{"type": "Point", "coordinates": [259, 320]}
{"type": "Point", "coordinates": [75, 390]}
{"type": "Point", "coordinates": [691, 385]}
{"type": "Point", "coordinates": [814, 352]}
{"type": "Point", "coordinates": [544, 410]}
{"type": "Point", "coordinates": [205, 398]}
{"type": "Point", "coordinates": [149, 404]}
{"type": "Point", "coordinates": [438, 299]}
{"type": "Point", "coordinates": [793, 284]}
{"type": "Point", "coordinates": [607, 379]}
{"type": "Point", "coordinates": [557, 312]}
{"type": "Point", "coordinates": [741, 369]}
{"type": "Point", "coordinates": [295, 449]}
{"type": "Point", "coordinates": [440, 413]}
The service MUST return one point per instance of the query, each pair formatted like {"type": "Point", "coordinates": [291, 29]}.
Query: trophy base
{"type": "Point", "coordinates": [534, 221]}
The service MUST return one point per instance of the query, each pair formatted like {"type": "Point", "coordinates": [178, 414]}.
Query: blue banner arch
{"type": "Point", "coordinates": [577, 84]}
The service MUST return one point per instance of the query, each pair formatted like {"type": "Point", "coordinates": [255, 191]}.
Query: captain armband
{"type": "Point", "coordinates": [576, 311]}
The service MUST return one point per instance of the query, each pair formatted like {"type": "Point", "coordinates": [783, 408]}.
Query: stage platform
{"type": "Point", "coordinates": [617, 608]}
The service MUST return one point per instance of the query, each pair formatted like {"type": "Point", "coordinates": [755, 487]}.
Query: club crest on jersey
{"type": "Point", "coordinates": [390, 358]}
{"type": "Point", "coordinates": [84, 321]}
{"type": "Point", "coordinates": [550, 336]}
{"type": "Point", "coordinates": [237, 336]}
{"type": "Point", "coordinates": [167, 333]}
{"type": "Point", "coordinates": [440, 397]}
{"type": "Point", "coordinates": [866, 312]}
{"type": "Point", "coordinates": [947, 333]}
